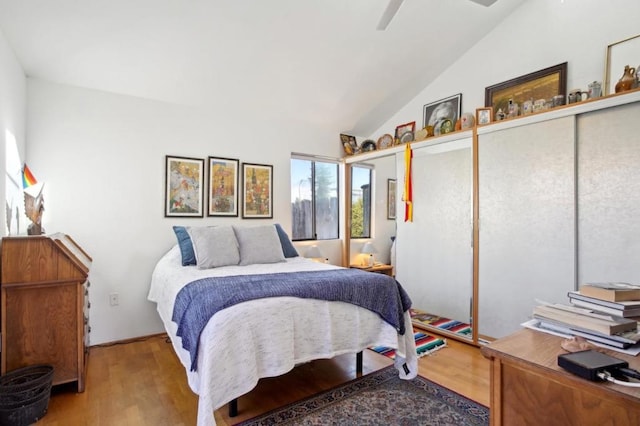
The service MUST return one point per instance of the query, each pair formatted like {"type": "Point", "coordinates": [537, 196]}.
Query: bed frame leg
{"type": "Point", "coordinates": [233, 407]}
{"type": "Point", "coordinates": [359, 363]}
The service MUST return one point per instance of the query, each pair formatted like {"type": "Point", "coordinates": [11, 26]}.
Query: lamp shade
{"type": "Point", "coordinates": [368, 248]}
{"type": "Point", "coordinates": [313, 252]}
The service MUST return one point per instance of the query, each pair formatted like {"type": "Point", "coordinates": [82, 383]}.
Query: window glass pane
{"type": "Point", "coordinates": [326, 200]}
{"type": "Point", "coordinates": [360, 202]}
{"type": "Point", "coordinates": [301, 199]}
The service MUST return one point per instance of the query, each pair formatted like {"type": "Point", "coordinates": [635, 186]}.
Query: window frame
{"type": "Point", "coordinates": [339, 194]}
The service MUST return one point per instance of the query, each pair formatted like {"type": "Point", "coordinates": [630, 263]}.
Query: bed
{"type": "Point", "coordinates": [265, 337]}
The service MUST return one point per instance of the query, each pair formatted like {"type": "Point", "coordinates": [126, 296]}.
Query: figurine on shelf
{"type": "Point", "coordinates": [500, 115]}
{"type": "Point", "coordinates": [33, 201]}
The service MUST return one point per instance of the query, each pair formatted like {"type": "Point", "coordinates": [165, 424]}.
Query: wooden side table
{"type": "Point", "coordinates": [379, 269]}
{"type": "Point", "coordinates": [528, 386]}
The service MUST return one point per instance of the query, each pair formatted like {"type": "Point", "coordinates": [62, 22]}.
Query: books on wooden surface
{"type": "Point", "coordinates": [611, 291]}
{"type": "Point", "coordinates": [622, 340]}
{"type": "Point", "coordinates": [626, 309]}
{"type": "Point", "coordinates": [585, 319]}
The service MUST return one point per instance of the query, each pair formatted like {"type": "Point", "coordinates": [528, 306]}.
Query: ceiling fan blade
{"type": "Point", "coordinates": [486, 3]}
{"type": "Point", "coordinates": [389, 13]}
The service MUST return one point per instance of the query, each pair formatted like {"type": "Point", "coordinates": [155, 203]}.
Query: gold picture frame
{"type": "Point", "coordinates": [543, 84]}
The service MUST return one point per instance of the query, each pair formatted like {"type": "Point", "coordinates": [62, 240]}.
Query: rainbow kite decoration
{"type": "Point", "coordinates": [28, 178]}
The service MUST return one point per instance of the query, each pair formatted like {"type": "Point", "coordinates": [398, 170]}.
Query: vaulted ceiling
{"type": "Point", "coordinates": [316, 61]}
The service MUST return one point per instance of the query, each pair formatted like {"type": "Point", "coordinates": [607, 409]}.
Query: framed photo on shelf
{"type": "Point", "coordinates": [257, 187]}
{"type": "Point", "coordinates": [184, 179]}
{"type": "Point", "coordinates": [404, 128]}
{"type": "Point", "coordinates": [223, 186]}
{"type": "Point", "coordinates": [447, 108]}
{"type": "Point", "coordinates": [542, 84]}
{"type": "Point", "coordinates": [484, 115]}
{"type": "Point", "coordinates": [391, 199]}
{"type": "Point", "coordinates": [349, 144]}
{"type": "Point", "coordinates": [619, 54]}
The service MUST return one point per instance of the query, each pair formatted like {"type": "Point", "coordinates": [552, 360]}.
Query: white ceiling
{"type": "Point", "coordinates": [315, 61]}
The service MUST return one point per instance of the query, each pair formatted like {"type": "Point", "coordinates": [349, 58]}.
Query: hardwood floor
{"type": "Point", "coordinates": [143, 383]}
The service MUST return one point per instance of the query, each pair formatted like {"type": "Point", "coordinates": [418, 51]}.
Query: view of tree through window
{"type": "Point", "coordinates": [360, 202]}
{"type": "Point", "coordinates": [314, 199]}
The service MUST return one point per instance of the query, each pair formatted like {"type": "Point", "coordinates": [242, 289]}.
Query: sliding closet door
{"type": "Point", "coordinates": [609, 195]}
{"type": "Point", "coordinates": [434, 252]}
{"type": "Point", "coordinates": [526, 182]}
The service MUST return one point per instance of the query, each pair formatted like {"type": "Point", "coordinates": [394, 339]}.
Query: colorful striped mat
{"type": "Point", "coordinates": [425, 344]}
{"type": "Point", "coordinates": [421, 318]}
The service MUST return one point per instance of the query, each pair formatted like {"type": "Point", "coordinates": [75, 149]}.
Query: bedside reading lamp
{"type": "Point", "coordinates": [368, 250]}
{"type": "Point", "coordinates": [314, 253]}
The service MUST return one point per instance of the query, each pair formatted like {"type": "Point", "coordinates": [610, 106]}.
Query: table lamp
{"type": "Point", "coordinates": [368, 250]}
{"type": "Point", "coordinates": [313, 252]}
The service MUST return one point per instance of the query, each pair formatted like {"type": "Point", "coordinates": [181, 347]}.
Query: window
{"type": "Point", "coordinates": [360, 202]}
{"type": "Point", "coordinates": [314, 199]}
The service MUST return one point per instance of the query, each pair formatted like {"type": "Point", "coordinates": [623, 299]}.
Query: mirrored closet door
{"type": "Point", "coordinates": [435, 252]}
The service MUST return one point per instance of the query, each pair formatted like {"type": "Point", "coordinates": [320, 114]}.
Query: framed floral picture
{"type": "Point", "coordinates": [184, 179]}
{"type": "Point", "coordinates": [257, 187]}
{"type": "Point", "coordinates": [224, 181]}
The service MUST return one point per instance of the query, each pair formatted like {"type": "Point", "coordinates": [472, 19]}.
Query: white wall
{"type": "Point", "coordinates": [539, 34]}
{"type": "Point", "coordinates": [102, 157]}
{"type": "Point", "coordinates": [12, 110]}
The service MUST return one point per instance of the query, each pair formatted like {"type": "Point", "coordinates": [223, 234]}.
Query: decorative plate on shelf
{"type": "Point", "coordinates": [385, 141]}
{"type": "Point", "coordinates": [368, 145]}
{"type": "Point", "coordinates": [406, 137]}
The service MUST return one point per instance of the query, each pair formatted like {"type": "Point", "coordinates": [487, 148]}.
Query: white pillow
{"type": "Point", "coordinates": [259, 244]}
{"type": "Point", "coordinates": [214, 246]}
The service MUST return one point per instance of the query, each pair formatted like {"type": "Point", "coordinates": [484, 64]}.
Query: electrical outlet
{"type": "Point", "coordinates": [114, 299]}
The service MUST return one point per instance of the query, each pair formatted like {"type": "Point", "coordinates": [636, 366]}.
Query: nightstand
{"type": "Point", "coordinates": [380, 269]}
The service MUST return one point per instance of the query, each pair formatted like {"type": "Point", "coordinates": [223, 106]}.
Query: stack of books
{"type": "Point", "coordinates": [601, 312]}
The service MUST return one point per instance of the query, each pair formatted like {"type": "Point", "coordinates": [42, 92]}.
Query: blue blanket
{"type": "Point", "coordinates": [198, 301]}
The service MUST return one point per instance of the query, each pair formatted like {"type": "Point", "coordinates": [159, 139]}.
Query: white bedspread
{"type": "Point", "coordinates": [268, 337]}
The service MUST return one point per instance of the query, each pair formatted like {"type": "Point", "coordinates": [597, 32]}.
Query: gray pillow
{"type": "Point", "coordinates": [258, 244]}
{"type": "Point", "coordinates": [214, 246]}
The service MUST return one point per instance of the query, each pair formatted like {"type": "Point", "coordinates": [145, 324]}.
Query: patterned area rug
{"type": "Point", "coordinates": [380, 398]}
{"type": "Point", "coordinates": [425, 344]}
{"type": "Point", "coordinates": [421, 318]}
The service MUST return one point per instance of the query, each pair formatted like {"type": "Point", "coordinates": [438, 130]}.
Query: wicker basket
{"type": "Point", "coordinates": [24, 395]}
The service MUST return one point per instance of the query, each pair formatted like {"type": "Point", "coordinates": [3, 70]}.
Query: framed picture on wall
{"type": "Point", "coordinates": [391, 199]}
{"type": "Point", "coordinates": [224, 180]}
{"type": "Point", "coordinates": [257, 187]}
{"type": "Point", "coordinates": [184, 179]}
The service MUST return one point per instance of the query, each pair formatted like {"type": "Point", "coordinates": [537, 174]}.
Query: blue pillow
{"type": "Point", "coordinates": [287, 246]}
{"type": "Point", "coordinates": [186, 246]}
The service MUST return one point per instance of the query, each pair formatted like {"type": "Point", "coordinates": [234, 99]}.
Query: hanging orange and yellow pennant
{"type": "Point", "coordinates": [407, 195]}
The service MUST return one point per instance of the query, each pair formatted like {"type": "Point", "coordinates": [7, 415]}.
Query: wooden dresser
{"type": "Point", "coordinates": [44, 305]}
{"type": "Point", "coordinates": [528, 387]}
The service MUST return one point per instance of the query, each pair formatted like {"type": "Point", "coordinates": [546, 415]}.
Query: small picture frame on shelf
{"type": "Point", "coordinates": [404, 128]}
{"type": "Point", "coordinates": [484, 115]}
{"type": "Point", "coordinates": [349, 144]}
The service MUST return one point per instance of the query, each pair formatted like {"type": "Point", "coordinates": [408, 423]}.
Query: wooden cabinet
{"type": "Point", "coordinates": [44, 296]}
{"type": "Point", "coordinates": [528, 387]}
